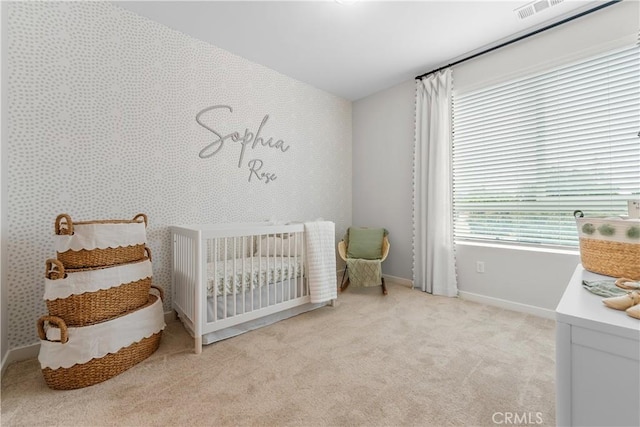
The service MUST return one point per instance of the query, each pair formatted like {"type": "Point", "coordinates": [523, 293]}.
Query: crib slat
{"type": "Point", "coordinates": [268, 271]}
{"type": "Point", "coordinates": [252, 271]}
{"type": "Point", "coordinates": [303, 273]}
{"type": "Point", "coordinates": [295, 266]}
{"type": "Point", "coordinates": [289, 266]}
{"type": "Point", "coordinates": [242, 277]}
{"type": "Point", "coordinates": [282, 266]}
{"type": "Point", "coordinates": [234, 281]}
{"type": "Point", "coordinates": [299, 272]}
{"type": "Point", "coordinates": [281, 278]}
{"type": "Point", "coordinates": [260, 270]}
{"type": "Point", "coordinates": [215, 279]}
{"type": "Point", "coordinates": [224, 282]}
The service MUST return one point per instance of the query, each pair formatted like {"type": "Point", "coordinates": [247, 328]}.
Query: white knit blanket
{"type": "Point", "coordinates": [321, 260]}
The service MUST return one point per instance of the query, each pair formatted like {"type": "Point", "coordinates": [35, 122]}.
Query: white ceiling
{"type": "Point", "coordinates": [352, 50]}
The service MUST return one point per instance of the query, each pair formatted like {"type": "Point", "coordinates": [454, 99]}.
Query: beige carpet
{"type": "Point", "coordinates": [405, 359]}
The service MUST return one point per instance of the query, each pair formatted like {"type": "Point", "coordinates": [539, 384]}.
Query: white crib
{"type": "Point", "coordinates": [231, 278]}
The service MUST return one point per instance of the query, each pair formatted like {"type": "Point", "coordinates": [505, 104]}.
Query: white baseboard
{"type": "Point", "coordinates": [4, 363]}
{"type": "Point", "coordinates": [399, 280]}
{"type": "Point", "coordinates": [509, 305]}
{"type": "Point", "coordinates": [496, 302]}
{"type": "Point", "coordinates": [31, 351]}
{"type": "Point", "coordinates": [170, 316]}
{"type": "Point", "coordinates": [19, 354]}
{"type": "Point", "coordinates": [394, 279]}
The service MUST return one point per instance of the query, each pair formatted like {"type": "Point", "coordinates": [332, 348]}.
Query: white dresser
{"type": "Point", "coordinates": [597, 360]}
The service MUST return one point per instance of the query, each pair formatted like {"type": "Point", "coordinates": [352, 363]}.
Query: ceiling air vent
{"type": "Point", "coordinates": [525, 12]}
{"type": "Point", "coordinates": [535, 7]}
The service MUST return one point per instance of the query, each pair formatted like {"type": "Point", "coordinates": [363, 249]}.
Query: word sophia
{"type": "Point", "coordinates": [247, 139]}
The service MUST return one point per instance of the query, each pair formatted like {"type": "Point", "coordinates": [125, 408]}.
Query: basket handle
{"type": "Point", "coordinates": [54, 269]}
{"type": "Point", "coordinates": [578, 214]}
{"type": "Point", "coordinates": [147, 249]}
{"type": "Point", "coordinates": [144, 218]}
{"type": "Point", "coordinates": [160, 290]}
{"type": "Point", "coordinates": [66, 227]}
{"type": "Point", "coordinates": [64, 333]}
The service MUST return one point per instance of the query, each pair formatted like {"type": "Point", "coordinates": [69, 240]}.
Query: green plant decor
{"type": "Point", "coordinates": [633, 232]}
{"type": "Point", "coordinates": [588, 228]}
{"type": "Point", "coordinates": [607, 230]}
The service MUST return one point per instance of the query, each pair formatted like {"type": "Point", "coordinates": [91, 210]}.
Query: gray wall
{"type": "Point", "coordinates": [383, 135]}
{"type": "Point", "coordinates": [4, 324]}
{"type": "Point", "coordinates": [383, 127]}
{"type": "Point", "coordinates": [523, 275]}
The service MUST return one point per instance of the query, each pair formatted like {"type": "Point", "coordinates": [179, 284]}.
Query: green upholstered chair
{"type": "Point", "coordinates": [367, 244]}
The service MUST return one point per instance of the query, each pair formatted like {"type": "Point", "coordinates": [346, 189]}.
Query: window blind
{"type": "Point", "coordinates": [527, 153]}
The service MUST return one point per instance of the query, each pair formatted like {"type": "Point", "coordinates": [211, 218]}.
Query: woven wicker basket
{"type": "Point", "coordinates": [610, 246]}
{"type": "Point", "coordinates": [88, 308]}
{"type": "Point", "coordinates": [98, 369]}
{"type": "Point", "coordinates": [98, 257]}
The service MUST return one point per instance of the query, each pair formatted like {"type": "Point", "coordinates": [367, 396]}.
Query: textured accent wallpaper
{"type": "Point", "coordinates": [102, 109]}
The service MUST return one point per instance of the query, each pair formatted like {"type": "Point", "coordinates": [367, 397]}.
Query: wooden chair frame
{"type": "Point", "coordinates": [342, 250]}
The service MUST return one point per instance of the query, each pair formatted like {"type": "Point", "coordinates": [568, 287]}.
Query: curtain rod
{"type": "Point", "coordinates": [517, 39]}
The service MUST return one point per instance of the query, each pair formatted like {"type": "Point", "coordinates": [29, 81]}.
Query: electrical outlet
{"type": "Point", "coordinates": [479, 266]}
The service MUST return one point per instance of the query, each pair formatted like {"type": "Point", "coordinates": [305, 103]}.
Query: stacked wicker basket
{"type": "Point", "coordinates": [610, 246]}
{"type": "Point", "coordinates": [102, 317]}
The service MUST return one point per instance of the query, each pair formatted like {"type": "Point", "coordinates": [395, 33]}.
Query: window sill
{"type": "Point", "coordinates": [528, 248]}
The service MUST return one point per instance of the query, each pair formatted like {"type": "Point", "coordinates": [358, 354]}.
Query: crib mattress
{"type": "Point", "coordinates": [250, 273]}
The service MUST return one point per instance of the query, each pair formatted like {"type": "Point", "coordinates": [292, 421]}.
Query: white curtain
{"type": "Point", "coordinates": [434, 268]}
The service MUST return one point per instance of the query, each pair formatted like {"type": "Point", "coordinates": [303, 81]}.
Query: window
{"type": "Point", "coordinates": [527, 153]}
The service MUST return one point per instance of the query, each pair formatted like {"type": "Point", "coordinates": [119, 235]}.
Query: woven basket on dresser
{"type": "Point", "coordinates": [77, 373]}
{"type": "Point", "coordinates": [100, 243]}
{"type": "Point", "coordinates": [82, 297]}
{"type": "Point", "coordinates": [610, 246]}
